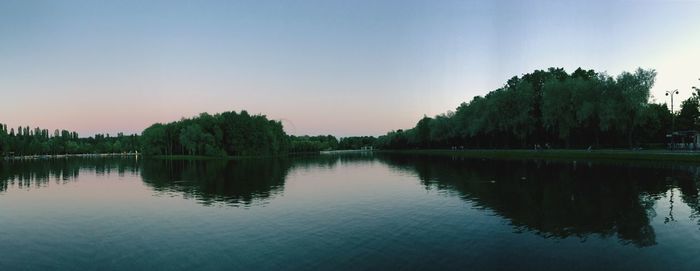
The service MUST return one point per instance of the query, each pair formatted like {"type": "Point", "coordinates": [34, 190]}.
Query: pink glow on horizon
{"type": "Point", "coordinates": [342, 68]}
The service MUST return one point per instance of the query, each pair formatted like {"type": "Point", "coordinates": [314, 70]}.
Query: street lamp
{"type": "Point", "coordinates": [671, 93]}
{"type": "Point", "coordinates": [673, 116]}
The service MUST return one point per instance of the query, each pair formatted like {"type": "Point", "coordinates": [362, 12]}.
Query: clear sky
{"type": "Point", "coordinates": [322, 67]}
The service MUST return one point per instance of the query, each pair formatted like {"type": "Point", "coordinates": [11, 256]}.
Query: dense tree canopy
{"type": "Point", "coordinates": [328, 142]}
{"type": "Point", "coordinates": [225, 134]}
{"type": "Point", "coordinates": [228, 133]}
{"type": "Point", "coordinates": [551, 107]}
{"type": "Point", "coordinates": [26, 141]}
{"type": "Point", "coordinates": [300, 144]}
{"type": "Point", "coordinates": [355, 142]}
{"type": "Point", "coordinates": [689, 115]}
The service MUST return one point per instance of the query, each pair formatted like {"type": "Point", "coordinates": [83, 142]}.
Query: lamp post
{"type": "Point", "coordinates": [671, 93]}
{"type": "Point", "coordinates": [673, 116]}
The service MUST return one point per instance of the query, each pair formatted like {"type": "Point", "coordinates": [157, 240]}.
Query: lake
{"type": "Point", "coordinates": [348, 212]}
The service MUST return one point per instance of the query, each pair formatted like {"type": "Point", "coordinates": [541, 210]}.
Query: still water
{"type": "Point", "coordinates": [348, 212]}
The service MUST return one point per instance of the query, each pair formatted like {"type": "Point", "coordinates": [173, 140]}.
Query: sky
{"type": "Point", "coordinates": [321, 67]}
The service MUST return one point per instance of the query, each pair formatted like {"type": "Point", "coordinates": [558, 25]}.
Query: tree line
{"type": "Point", "coordinates": [225, 134]}
{"type": "Point", "coordinates": [553, 108]}
{"type": "Point", "coordinates": [543, 108]}
{"type": "Point", "coordinates": [303, 144]}
{"type": "Point", "coordinates": [37, 141]}
{"type": "Point", "coordinates": [237, 134]}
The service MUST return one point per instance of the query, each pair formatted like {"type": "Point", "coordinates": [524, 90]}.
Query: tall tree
{"type": "Point", "coordinates": [423, 132]}
{"type": "Point", "coordinates": [689, 114]}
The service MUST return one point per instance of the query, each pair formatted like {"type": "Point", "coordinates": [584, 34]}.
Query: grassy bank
{"type": "Point", "coordinates": [623, 155]}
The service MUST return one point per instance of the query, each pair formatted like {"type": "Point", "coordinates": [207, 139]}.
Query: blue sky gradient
{"type": "Point", "coordinates": [322, 67]}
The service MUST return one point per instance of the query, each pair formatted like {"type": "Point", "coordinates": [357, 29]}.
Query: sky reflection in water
{"type": "Point", "coordinates": [351, 211]}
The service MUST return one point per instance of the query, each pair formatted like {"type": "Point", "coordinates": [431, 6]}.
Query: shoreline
{"type": "Point", "coordinates": [554, 154]}
{"type": "Point", "coordinates": [59, 156]}
{"type": "Point", "coordinates": [562, 154]}
{"type": "Point", "coordinates": [346, 151]}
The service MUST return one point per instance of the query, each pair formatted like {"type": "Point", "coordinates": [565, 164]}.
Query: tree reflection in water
{"type": "Point", "coordinates": [560, 199]}
{"type": "Point", "coordinates": [36, 173]}
{"type": "Point", "coordinates": [231, 182]}
{"type": "Point", "coordinates": [552, 199]}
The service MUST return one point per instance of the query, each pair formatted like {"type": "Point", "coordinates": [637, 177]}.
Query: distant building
{"type": "Point", "coordinates": [684, 140]}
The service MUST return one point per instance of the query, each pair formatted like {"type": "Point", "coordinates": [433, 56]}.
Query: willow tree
{"type": "Point", "coordinates": [558, 108]}
{"type": "Point", "coordinates": [635, 88]}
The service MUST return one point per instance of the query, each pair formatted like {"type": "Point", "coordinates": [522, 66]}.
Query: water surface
{"type": "Point", "coordinates": [347, 212]}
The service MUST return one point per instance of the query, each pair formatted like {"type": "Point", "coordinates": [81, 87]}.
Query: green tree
{"type": "Point", "coordinates": [195, 140]}
{"type": "Point", "coordinates": [423, 132]}
{"type": "Point", "coordinates": [153, 140]}
{"type": "Point", "coordinates": [558, 107]}
{"type": "Point", "coordinates": [546, 106]}
{"type": "Point", "coordinates": [657, 123]}
{"type": "Point", "coordinates": [689, 114]}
